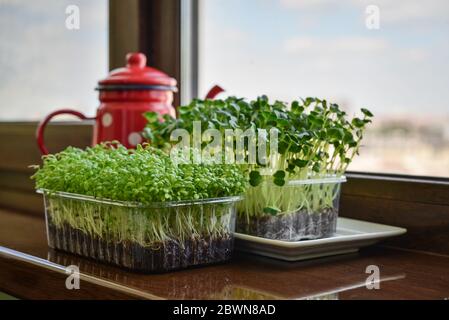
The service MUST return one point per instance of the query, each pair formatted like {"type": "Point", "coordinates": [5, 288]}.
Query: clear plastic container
{"type": "Point", "coordinates": [148, 238]}
{"type": "Point", "coordinates": [299, 210]}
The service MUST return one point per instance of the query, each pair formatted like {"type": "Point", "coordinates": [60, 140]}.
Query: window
{"type": "Point", "coordinates": [46, 63]}
{"type": "Point", "coordinates": [331, 48]}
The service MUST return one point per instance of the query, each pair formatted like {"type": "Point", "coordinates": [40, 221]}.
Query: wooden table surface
{"type": "Point", "coordinates": [29, 269]}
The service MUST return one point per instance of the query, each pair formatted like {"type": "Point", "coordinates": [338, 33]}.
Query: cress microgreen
{"type": "Point", "coordinates": [144, 176]}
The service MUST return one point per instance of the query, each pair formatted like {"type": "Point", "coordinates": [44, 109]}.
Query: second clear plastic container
{"type": "Point", "coordinates": [148, 238]}
{"type": "Point", "coordinates": [299, 210]}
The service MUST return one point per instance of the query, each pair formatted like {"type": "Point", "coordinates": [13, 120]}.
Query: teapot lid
{"type": "Point", "coordinates": [137, 76]}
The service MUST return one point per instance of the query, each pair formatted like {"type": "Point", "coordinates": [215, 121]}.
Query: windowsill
{"type": "Point", "coordinates": [29, 269]}
{"type": "Point", "coordinates": [420, 205]}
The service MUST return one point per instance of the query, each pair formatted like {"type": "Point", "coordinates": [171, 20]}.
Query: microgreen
{"type": "Point", "coordinates": [145, 175]}
{"type": "Point", "coordinates": [316, 138]}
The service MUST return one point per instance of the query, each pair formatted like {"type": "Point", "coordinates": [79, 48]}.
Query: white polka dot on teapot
{"type": "Point", "coordinates": [106, 119]}
{"type": "Point", "coordinates": [134, 138]}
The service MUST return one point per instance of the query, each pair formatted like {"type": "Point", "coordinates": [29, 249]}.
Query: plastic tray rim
{"type": "Point", "coordinates": [167, 204]}
{"type": "Point", "coordinates": [323, 180]}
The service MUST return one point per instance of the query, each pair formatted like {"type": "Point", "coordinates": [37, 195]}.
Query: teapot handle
{"type": "Point", "coordinates": [41, 127]}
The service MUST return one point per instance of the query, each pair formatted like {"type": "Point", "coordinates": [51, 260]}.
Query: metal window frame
{"type": "Point", "coordinates": [189, 50]}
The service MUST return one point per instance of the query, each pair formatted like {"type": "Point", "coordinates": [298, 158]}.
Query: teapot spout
{"type": "Point", "coordinates": [214, 92]}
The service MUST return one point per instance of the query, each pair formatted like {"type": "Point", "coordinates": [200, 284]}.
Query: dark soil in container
{"type": "Point", "coordinates": [161, 257]}
{"type": "Point", "coordinates": [295, 226]}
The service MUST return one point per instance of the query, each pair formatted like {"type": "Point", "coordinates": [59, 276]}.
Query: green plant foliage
{"type": "Point", "coordinates": [314, 135]}
{"type": "Point", "coordinates": [255, 178]}
{"type": "Point", "coordinates": [316, 139]}
{"type": "Point", "coordinates": [141, 177]}
{"type": "Point", "coordinates": [144, 175]}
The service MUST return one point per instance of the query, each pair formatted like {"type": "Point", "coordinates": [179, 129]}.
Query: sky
{"type": "Point", "coordinates": [43, 65]}
{"type": "Point", "coordinates": [283, 48]}
{"type": "Point", "coordinates": [296, 48]}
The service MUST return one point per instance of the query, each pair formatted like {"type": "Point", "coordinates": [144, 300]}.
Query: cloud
{"type": "Point", "coordinates": [308, 4]}
{"type": "Point", "coordinates": [349, 44]}
{"type": "Point", "coordinates": [415, 55]}
{"type": "Point", "coordinates": [395, 70]}
{"type": "Point", "coordinates": [390, 10]}
{"type": "Point", "coordinates": [400, 11]}
{"type": "Point", "coordinates": [43, 65]}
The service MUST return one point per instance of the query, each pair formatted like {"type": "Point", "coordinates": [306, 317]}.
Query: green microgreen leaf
{"type": "Point", "coordinates": [280, 174]}
{"type": "Point", "coordinates": [358, 123]}
{"type": "Point", "coordinates": [143, 175]}
{"type": "Point", "coordinates": [271, 210]}
{"type": "Point", "coordinates": [255, 178]}
{"type": "Point", "coordinates": [279, 181]}
{"type": "Point", "coordinates": [315, 136]}
{"type": "Point", "coordinates": [366, 112]}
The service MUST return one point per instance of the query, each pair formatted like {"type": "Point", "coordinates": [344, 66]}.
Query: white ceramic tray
{"type": "Point", "coordinates": [350, 237]}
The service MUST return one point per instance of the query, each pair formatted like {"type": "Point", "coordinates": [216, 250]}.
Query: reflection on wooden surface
{"type": "Point", "coordinates": [403, 275]}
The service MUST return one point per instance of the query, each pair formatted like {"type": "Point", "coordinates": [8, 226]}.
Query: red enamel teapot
{"type": "Point", "coordinates": [124, 95]}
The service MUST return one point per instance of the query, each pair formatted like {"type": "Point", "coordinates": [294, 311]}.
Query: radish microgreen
{"type": "Point", "coordinates": [316, 138]}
